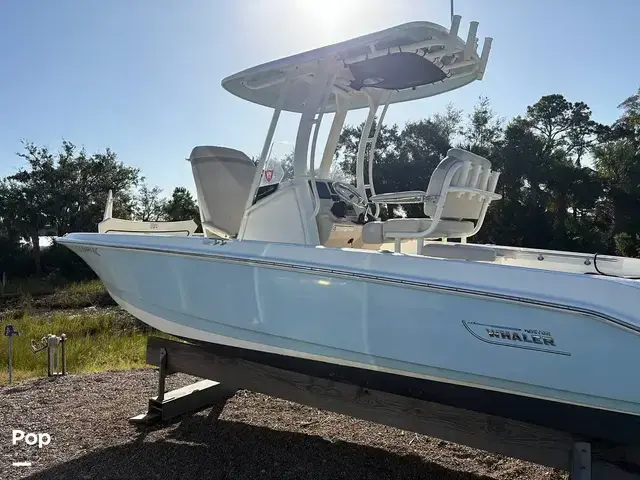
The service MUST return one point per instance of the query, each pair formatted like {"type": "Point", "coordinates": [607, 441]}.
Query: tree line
{"type": "Point", "coordinates": [66, 191]}
{"type": "Point", "coordinates": [567, 181]}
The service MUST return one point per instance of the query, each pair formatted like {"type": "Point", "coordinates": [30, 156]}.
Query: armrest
{"type": "Point", "coordinates": [476, 191]}
{"type": "Point", "coordinates": [411, 196]}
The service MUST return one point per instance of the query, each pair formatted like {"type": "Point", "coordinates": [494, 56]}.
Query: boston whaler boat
{"type": "Point", "coordinates": [289, 272]}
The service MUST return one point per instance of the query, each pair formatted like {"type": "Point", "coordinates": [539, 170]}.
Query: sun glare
{"type": "Point", "coordinates": [332, 16]}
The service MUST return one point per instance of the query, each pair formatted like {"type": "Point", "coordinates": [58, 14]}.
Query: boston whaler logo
{"type": "Point", "coordinates": [86, 249]}
{"type": "Point", "coordinates": [529, 339]}
{"type": "Point", "coordinates": [539, 337]}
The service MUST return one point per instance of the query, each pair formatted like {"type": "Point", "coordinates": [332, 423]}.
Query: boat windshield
{"type": "Point", "coordinates": [279, 164]}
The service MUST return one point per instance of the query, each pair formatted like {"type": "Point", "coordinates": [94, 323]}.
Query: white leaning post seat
{"type": "Point", "coordinates": [223, 178]}
{"type": "Point", "coordinates": [460, 190]}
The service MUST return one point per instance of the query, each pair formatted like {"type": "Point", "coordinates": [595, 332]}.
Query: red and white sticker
{"type": "Point", "coordinates": [268, 175]}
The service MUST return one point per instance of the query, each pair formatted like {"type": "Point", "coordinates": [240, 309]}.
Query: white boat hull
{"type": "Point", "coordinates": [427, 322]}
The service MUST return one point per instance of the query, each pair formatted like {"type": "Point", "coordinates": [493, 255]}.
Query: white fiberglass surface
{"type": "Point", "coordinates": [261, 84]}
{"type": "Point", "coordinates": [409, 329]}
{"type": "Point", "coordinates": [556, 260]}
{"type": "Point", "coordinates": [618, 300]}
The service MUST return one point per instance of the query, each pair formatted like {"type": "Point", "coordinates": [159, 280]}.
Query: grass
{"type": "Point", "coordinates": [31, 286]}
{"type": "Point", "coordinates": [98, 338]}
{"type": "Point", "coordinates": [96, 341]}
{"type": "Point", "coordinates": [79, 295]}
{"type": "Point", "coordinates": [30, 294]}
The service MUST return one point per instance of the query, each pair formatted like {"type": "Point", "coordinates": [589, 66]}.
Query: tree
{"type": "Point", "coordinates": [483, 130]}
{"type": "Point", "coordinates": [450, 121]}
{"type": "Point", "coordinates": [27, 197]}
{"type": "Point", "coordinates": [628, 125]}
{"type": "Point", "coordinates": [70, 188]}
{"type": "Point", "coordinates": [84, 182]}
{"type": "Point", "coordinates": [567, 135]}
{"type": "Point", "coordinates": [181, 206]}
{"type": "Point", "coordinates": [149, 206]}
{"type": "Point", "coordinates": [617, 161]}
{"type": "Point", "coordinates": [563, 125]}
{"type": "Point", "coordinates": [66, 190]}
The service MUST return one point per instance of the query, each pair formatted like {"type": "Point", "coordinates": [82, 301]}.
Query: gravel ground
{"type": "Point", "coordinates": [255, 437]}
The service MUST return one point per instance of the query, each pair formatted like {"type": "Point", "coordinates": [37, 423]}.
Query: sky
{"type": "Point", "coordinates": [143, 77]}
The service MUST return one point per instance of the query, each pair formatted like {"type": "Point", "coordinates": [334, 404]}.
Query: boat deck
{"type": "Point", "coordinates": [610, 267]}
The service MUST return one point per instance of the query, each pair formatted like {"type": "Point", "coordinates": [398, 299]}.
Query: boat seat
{"type": "Point", "coordinates": [223, 178]}
{"type": "Point", "coordinates": [455, 203]}
{"type": "Point", "coordinates": [381, 232]}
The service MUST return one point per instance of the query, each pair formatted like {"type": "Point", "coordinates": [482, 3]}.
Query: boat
{"type": "Point", "coordinates": [297, 272]}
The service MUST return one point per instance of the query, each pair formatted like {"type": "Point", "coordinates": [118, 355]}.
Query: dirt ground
{"type": "Point", "coordinates": [255, 436]}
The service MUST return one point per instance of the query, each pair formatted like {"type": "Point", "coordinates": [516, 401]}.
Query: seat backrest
{"type": "Point", "coordinates": [223, 178]}
{"type": "Point", "coordinates": [468, 183]}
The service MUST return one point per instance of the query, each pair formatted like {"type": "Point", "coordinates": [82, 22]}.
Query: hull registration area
{"type": "Point", "coordinates": [528, 339]}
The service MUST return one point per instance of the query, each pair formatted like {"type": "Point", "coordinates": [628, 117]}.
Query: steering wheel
{"type": "Point", "coordinates": [349, 194]}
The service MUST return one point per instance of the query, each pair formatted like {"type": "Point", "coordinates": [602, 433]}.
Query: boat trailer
{"type": "Point", "coordinates": [585, 459]}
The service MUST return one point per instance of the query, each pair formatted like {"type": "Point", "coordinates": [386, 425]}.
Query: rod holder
{"type": "Point", "coordinates": [455, 25]}
{"type": "Point", "coordinates": [470, 46]}
{"type": "Point", "coordinates": [484, 57]}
